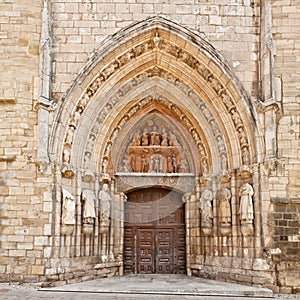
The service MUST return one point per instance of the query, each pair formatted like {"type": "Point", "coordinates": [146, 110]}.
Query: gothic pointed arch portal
{"type": "Point", "coordinates": [157, 106]}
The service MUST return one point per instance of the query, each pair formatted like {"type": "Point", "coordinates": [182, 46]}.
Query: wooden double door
{"type": "Point", "coordinates": [154, 233]}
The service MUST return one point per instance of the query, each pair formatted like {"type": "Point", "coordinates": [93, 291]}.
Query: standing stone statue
{"type": "Point", "coordinates": [66, 156]}
{"type": "Point", "coordinates": [206, 207]}
{"type": "Point", "coordinates": [105, 204]}
{"type": "Point", "coordinates": [246, 203]}
{"type": "Point", "coordinates": [68, 208]}
{"type": "Point", "coordinates": [104, 218]}
{"type": "Point", "coordinates": [126, 164]}
{"type": "Point", "coordinates": [88, 199]}
{"type": "Point", "coordinates": [223, 198]}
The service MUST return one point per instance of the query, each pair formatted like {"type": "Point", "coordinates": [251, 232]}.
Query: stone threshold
{"type": "Point", "coordinates": [164, 285]}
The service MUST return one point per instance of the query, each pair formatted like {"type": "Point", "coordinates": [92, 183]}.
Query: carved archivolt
{"type": "Point", "coordinates": [164, 147]}
{"type": "Point", "coordinates": [140, 79]}
{"type": "Point", "coordinates": [158, 44]}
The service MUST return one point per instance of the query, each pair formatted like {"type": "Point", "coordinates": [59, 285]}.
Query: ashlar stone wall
{"type": "Point", "coordinates": [284, 181]}
{"type": "Point", "coordinates": [79, 27]}
{"type": "Point", "coordinates": [22, 211]}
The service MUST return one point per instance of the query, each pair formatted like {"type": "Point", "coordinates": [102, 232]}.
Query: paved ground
{"type": "Point", "coordinates": [152, 287]}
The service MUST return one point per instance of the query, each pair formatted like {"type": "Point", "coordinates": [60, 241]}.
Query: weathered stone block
{"type": "Point", "coordinates": [38, 270]}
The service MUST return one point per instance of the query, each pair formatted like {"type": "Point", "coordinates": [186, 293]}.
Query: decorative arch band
{"type": "Point", "coordinates": [157, 44]}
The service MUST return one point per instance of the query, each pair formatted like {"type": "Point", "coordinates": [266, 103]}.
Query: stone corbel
{"type": "Point", "coordinates": [205, 179]}
{"type": "Point", "coordinates": [225, 176]}
{"type": "Point", "coordinates": [105, 178]}
{"type": "Point", "coordinates": [270, 104]}
{"type": "Point", "coordinates": [67, 170]}
{"type": "Point", "coordinates": [88, 175]}
{"type": "Point", "coordinates": [225, 229]}
{"type": "Point", "coordinates": [245, 171]}
{"type": "Point", "coordinates": [45, 103]}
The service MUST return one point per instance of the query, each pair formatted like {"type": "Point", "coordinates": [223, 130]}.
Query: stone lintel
{"type": "Point", "coordinates": [126, 182]}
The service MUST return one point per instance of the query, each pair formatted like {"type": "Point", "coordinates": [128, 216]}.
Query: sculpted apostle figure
{"type": "Point", "coordinates": [104, 217]}
{"type": "Point", "coordinates": [66, 156]}
{"type": "Point", "coordinates": [205, 206]}
{"type": "Point", "coordinates": [68, 208]}
{"type": "Point", "coordinates": [144, 164]}
{"type": "Point", "coordinates": [223, 198]}
{"type": "Point", "coordinates": [88, 199]}
{"type": "Point", "coordinates": [70, 133]}
{"type": "Point", "coordinates": [246, 203]}
{"type": "Point", "coordinates": [105, 204]}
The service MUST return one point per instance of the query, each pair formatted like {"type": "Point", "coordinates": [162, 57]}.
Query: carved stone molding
{"type": "Point", "coordinates": [126, 181]}
{"type": "Point", "coordinates": [139, 79]}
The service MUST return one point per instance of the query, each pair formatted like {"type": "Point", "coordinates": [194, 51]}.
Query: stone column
{"type": "Point", "coordinates": [78, 241]}
{"type": "Point", "coordinates": [57, 213]}
{"type": "Point", "coordinates": [215, 243]}
{"type": "Point", "coordinates": [96, 236]}
{"type": "Point", "coordinates": [186, 199]}
{"type": "Point", "coordinates": [259, 214]}
{"type": "Point", "coordinates": [44, 105]}
{"type": "Point", "coordinates": [234, 207]}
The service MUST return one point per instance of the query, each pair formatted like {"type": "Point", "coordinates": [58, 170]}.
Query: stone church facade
{"type": "Point", "coordinates": [150, 137]}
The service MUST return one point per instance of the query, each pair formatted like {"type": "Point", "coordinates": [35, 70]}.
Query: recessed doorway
{"type": "Point", "coordinates": [154, 233]}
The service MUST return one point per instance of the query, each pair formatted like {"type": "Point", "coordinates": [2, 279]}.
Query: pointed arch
{"type": "Point", "coordinates": [157, 58]}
